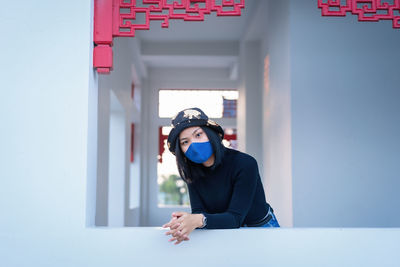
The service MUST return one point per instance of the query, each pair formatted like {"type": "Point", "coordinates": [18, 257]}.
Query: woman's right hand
{"type": "Point", "coordinates": [173, 230]}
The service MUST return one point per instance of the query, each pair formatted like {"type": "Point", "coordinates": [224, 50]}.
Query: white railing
{"type": "Point", "coordinates": [148, 246]}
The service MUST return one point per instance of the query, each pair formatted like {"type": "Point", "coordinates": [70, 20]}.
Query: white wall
{"type": "Point", "coordinates": [345, 119]}
{"type": "Point", "coordinates": [264, 108]}
{"type": "Point", "coordinates": [250, 106]}
{"type": "Point", "coordinates": [126, 69]}
{"type": "Point", "coordinates": [116, 160]}
{"type": "Point", "coordinates": [276, 110]}
{"type": "Point", "coordinates": [47, 80]}
{"type": "Point", "coordinates": [102, 157]}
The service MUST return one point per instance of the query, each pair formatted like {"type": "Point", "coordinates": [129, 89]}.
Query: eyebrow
{"type": "Point", "coordinates": [192, 134]}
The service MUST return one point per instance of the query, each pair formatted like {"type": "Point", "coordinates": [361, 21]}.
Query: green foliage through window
{"type": "Point", "coordinates": [175, 190]}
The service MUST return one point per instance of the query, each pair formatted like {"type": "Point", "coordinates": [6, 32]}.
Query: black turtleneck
{"type": "Point", "coordinates": [230, 195]}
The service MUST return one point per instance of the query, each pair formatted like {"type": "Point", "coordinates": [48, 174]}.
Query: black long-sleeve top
{"type": "Point", "coordinates": [232, 194]}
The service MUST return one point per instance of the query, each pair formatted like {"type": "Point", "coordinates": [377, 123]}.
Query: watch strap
{"type": "Point", "coordinates": [204, 221]}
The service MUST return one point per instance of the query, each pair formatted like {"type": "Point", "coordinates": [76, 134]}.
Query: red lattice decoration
{"type": "Point", "coordinates": [366, 10]}
{"type": "Point", "coordinates": [161, 142]}
{"type": "Point", "coordinates": [117, 18]}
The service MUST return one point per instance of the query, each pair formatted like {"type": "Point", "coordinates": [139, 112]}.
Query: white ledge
{"type": "Point", "coordinates": [148, 246]}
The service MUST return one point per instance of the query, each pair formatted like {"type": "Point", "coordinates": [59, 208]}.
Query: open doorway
{"type": "Point", "coordinates": [221, 105]}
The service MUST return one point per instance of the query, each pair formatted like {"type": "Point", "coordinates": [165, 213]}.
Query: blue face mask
{"type": "Point", "coordinates": [199, 152]}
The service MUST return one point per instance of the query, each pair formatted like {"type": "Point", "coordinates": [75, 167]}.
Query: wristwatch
{"type": "Point", "coordinates": [204, 221]}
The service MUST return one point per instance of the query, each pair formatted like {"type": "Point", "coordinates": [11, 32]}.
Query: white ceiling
{"type": "Point", "coordinates": [190, 61]}
{"type": "Point", "coordinates": [200, 54]}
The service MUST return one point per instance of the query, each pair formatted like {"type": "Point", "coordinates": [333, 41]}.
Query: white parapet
{"type": "Point", "coordinates": [148, 246]}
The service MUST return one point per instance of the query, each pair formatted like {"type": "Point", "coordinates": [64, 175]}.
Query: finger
{"type": "Point", "coordinates": [173, 227]}
{"type": "Point", "coordinates": [182, 239]}
{"type": "Point", "coordinates": [182, 234]}
{"type": "Point", "coordinates": [168, 224]}
{"type": "Point", "coordinates": [183, 231]}
{"type": "Point", "coordinates": [181, 227]}
{"type": "Point", "coordinates": [177, 234]}
{"type": "Point", "coordinates": [178, 213]}
{"type": "Point", "coordinates": [168, 233]}
{"type": "Point", "coordinates": [180, 219]}
{"type": "Point", "coordinates": [176, 225]}
{"type": "Point", "coordinates": [178, 241]}
{"type": "Point", "coordinates": [171, 232]}
{"type": "Point", "coordinates": [173, 239]}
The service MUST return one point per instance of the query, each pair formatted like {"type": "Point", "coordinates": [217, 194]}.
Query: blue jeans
{"type": "Point", "coordinates": [273, 222]}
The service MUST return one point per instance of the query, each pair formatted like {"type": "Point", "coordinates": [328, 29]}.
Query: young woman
{"type": "Point", "coordinates": [224, 184]}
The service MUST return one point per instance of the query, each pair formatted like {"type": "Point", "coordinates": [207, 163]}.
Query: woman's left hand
{"type": "Point", "coordinates": [182, 224]}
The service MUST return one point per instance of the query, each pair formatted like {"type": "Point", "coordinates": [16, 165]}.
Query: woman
{"type": "Point", "coordinates": [224, 185]}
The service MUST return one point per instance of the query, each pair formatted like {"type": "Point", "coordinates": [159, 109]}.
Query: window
{"type": "Point", "coordinates": [215, 103]}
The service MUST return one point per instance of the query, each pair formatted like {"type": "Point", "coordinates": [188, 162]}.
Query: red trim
{"type": "Point", "coordinates": [230, 137]}
{"type": "Point", "coordinates": [161, 139]}
{"type": "Point", "coordinates": [103, 22]}
{"type": "Point", "coordinates": [132, 90]}
{"type": "Point", "coordinates": [102, 58]}
{"type": "Point", "coordinates": [110, 22]}
{"type": "Point", "coordinates": [132, 141]}
{"type": "Point", "coordinates": [366, 10]}
{"type": "Point", "coordinates": [102, 36]}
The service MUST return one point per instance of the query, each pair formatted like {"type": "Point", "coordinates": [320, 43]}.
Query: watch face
{"type": "Point", "coordinates": [204, 221]}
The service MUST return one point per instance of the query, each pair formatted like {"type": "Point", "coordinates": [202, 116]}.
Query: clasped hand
{"type": "Point", "coordinates": [181, 225]}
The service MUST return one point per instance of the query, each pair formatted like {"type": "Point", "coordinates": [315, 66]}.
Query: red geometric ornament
{"type": "Point", "coordinates": [132, 141]}
{"type": "Point", "coordinates": [366, 10]}
{"type": "Point", "coordinates": [118, 18]}
{"type": "Point", "coordinates": [161, 140]}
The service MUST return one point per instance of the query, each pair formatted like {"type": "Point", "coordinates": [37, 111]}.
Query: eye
{"type": "Point", "coordinates": [198, 134]}
{"type": "Point", "coordinates": [184, 143]}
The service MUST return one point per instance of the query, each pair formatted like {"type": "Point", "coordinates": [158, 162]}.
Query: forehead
{"type": "Point", "coordinates": [188, 132]}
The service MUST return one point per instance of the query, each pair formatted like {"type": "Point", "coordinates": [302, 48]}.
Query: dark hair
{"type": "Point", "coordinates": [190, 171]}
